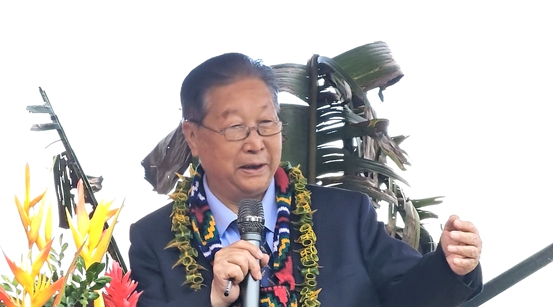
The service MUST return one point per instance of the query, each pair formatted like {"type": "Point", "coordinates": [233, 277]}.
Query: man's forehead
{"type": "Point", "coordinates": [227, 110]}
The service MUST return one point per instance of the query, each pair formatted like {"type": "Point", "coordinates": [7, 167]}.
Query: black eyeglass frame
{"type": "Point", "coordinates": [248, 129]}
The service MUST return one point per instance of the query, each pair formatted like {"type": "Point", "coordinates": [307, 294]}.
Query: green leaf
{"type": "Point", "coordinates": [97, 267]}
{"type": "Point", "coordinates": [94, 270]}
{"type": "Point", "coordinates": [80, 264]}
{"type": "Point", "coordinates": [53, 252]}
{"type": "Point", "coordinates": [91, 296]}
{"type": "Point", "coordinates": [95, 287]}
{"type": "Point", "coordinates": [423, 214]}
{"type": "Point", "coordinates": [333, 160]}
{"type": "Point", "coordinates": [293, 78]}
{"type": "Point", "coordinates": [100, 282]}
{"type": "Point", "coordinates": [392, 150]}
{"type": "Point", "coordinates": [399, 139]}
{"type": "Point", "coordinates": [45, 127]}
{"type": "Point", "coordinates": [343, 81]}
{"type": "Point", "coordinates": [7, 287]}
{"type": "Point", "coordinates": [6, 279]}
{"type": "Point", "coordinates": [360, 184]}
{"type": "Point", "coordinates": [40, 109]}
{"type": "Point", "coordinates": [53, 258]}
{"type": "Point", "coordinates": [295, 134]}
{"type": "Point", "coordinates": [375, 128]}
{"type": "Point", "coordinates": [424, 202]}
{"type": "Point", "coordinates": [345, 125]}
{"type": "Point", "coordinates": [76, 278]}
{"type": "Point", "coordinates": [370, 65]}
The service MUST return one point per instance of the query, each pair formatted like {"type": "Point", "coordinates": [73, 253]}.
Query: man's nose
{"type": "Point", "coordinates": [254, 141]}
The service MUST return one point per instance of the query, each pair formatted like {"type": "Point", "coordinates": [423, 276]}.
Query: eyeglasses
{"type": "Point", "coordinates": [240, 132]}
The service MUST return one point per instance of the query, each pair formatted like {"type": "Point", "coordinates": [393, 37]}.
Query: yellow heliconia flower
{"type": "Point", "coordinates": [26, 274]}
{"type": "Point", "coordinates": [37, 287]}
{"type": "Point", "coordinates": [90, 233]}
{"type": "Point", "coordinates": [45, 289]}
{"type": "Point", "coordinates": [32, 219]}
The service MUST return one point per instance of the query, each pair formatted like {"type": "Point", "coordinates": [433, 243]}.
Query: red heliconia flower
{"type": "Point", "coordinates": [120, 290]}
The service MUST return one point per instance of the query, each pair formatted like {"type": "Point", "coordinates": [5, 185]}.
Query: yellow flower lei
{"type": "Point", "coordinates": [308, 254]}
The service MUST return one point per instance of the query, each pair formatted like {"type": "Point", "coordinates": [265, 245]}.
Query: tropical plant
{"type": "Point", "coordinates": [41, 280]}
{"type": "Point", "coordinates": [337, 137]}
{"type": "Point", "coordinates": [334, 135]}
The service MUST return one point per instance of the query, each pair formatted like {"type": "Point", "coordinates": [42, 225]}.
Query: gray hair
{"type": "Point", "coordinates": [219, 71]}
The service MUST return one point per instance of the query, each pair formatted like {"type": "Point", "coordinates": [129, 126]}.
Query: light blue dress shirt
{"type": "Point", "coordinates": [224, 216]}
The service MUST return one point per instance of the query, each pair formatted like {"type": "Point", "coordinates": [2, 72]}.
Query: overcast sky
{"type": "Point", "coordinates": [475, 100]}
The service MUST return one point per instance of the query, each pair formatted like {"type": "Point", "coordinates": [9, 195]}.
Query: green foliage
{"type": "Point", "coordinates": [81, 288]}
{"type": "Point", "coordinates": [348, 146]}
{"type": "Point", "coordinates": [11, 286]}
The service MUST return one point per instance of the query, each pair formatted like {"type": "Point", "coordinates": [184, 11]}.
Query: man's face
{"type": "Point", "coordinates": [236, 169]}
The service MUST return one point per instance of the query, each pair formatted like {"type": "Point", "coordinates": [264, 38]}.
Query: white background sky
{"type": "Point", "coordinates": [475, 100]}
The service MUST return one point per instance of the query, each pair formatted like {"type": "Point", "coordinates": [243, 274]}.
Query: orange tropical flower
{"type": "Point", "coordinates": [37, 288]}
{"type": "Point", "coordinates": [45, 289]}
{"type": "Point", "coordinates": [26, 274]}
{"type": "Point", "coordinates": [8, 300]}
{"type": "Point", "coordinates": [120, 291]}
{"type": "Point", "coordinates": [41, 294]}
{"type": "Point", "coordinates": [32, 219]}
{"type": "Point", "coordinates": [91, 237]}
{"type": "Point", "coordinates": [90, 231]}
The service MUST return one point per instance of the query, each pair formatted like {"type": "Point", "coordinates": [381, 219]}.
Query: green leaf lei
{"type": "Point", "coordinates": [309, 268]}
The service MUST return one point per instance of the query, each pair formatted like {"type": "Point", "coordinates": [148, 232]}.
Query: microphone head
{"type": "Point", "coordinates": [251, 218]}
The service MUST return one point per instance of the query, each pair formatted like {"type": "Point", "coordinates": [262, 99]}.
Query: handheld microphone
{"type": "Point", "coordinates": [251, 222]}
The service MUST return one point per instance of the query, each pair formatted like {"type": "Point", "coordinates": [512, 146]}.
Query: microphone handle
{"type": "Point", "coordinates": [250, 297]}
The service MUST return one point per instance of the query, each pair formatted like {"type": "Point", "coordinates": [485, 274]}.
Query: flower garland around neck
{"type": "Point", "coordinates": [309, 268]}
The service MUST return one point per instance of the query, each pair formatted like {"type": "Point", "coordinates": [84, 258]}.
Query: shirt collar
{"type": "Point", "coordinates": [224, 216]}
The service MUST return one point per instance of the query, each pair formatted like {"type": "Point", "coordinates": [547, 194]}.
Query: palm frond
{"type": "Point", "coordinates": [293, 79]}
{"type": "Point", "coordinates": [371, 66]}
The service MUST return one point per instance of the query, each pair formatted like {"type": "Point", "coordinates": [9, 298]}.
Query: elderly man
{"type": "Point", "coordinates": [189, 251]}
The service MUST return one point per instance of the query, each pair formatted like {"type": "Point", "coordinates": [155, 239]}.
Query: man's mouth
{"type": "Point", "coordinates": [252, 166]}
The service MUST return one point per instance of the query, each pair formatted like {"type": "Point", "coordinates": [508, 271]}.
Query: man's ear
{"type": "Point", "coordinates": [190, 134]}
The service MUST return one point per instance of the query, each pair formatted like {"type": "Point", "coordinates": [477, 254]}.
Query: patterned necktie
{"type": "Point", "coordinates": [267, 278]}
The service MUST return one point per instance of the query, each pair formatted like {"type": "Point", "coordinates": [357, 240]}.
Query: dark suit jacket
{"type": "Point", "coordinates": [361, 264]}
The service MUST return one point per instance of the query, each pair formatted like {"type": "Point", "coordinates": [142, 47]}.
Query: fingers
{"type": "Point", "coordinates": [464, 240]}
{"type": "Point", "coordinates": [455, 223]}
{"type": "Point", "coordinates": [462, 245]}
{"type": "Point", "coordinates": [232, 263]}
{"type": "Point", "coordinates": [263, 262]}
{"type": "Point", "coordinates": [467, 238]}
{"type": "Point", "coordinates": [462, 266]}
{"type": "Point", "coordinates": [465, 251]}
{"type": "Point", "coordinates": [449, 225]}
{"type": "Point", "coordinates": [464, 226]}
{"type": "Point", "coordinates": [236, 260]}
